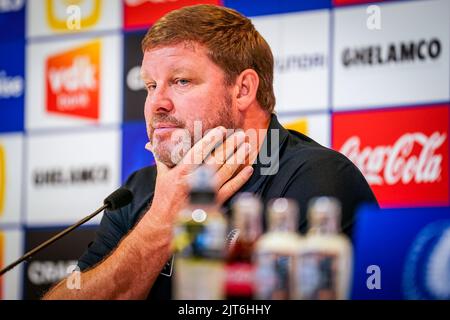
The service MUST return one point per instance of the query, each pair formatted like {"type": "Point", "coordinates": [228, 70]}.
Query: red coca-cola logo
{"type": "Point", "coordinates": [403, 154]}
{"type": "Point", "coordinates": [239, 279]}
{"type": "Point", "coordinates": [396, 164]}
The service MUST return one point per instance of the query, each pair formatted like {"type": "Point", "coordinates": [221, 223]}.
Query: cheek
{"type": "Point", "coordinates": [203, 102]}
{"type": "Point", "coordinates": [147, 109]}
{"type": "Point", "coordinates": [191, 107]}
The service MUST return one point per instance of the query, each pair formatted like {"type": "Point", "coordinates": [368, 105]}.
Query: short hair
{"type": "Point", "coordinates": [230, 38]}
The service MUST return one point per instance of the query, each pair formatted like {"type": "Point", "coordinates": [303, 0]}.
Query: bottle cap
{"type": "Point", "coordinates": [324, 215]}
{"type": "Point", "coordinates": [283, 215]}
{"type": "Point", "coordinates": [247, 216]}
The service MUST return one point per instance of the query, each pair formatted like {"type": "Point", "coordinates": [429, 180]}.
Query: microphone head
{"type": "Point", "coordinates": [118, 199]}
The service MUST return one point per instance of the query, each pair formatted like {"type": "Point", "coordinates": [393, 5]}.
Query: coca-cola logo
{"type": "Point", "coordinates": [398, 163]}
{"type": "Point", "coordinates": [403, 153]}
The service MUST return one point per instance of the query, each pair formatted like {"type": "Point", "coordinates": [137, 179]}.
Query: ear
{"type": "Point", "coordinates": [246, 86]}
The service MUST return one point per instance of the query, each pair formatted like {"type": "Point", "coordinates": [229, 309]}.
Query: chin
{"type": "Point", "coordinates": [170, 155]}
{"type": "Point", "coordinates": [166, 160]}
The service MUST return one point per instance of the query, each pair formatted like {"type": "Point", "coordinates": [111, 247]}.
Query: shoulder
{"type": "Point", "coordinates": [142, 180]}
{"type": "Point", "coordinates": [304, 153]}
{"type": "Point", "coordinates": [310, 170]}
{"type": "Point", "coordinates": [314, 170]}
{"type": "Point", "coordinates": [326, 166]}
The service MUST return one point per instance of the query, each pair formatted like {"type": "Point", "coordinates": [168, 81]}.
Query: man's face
{"type": "Point", "coordinates": [184, 87]}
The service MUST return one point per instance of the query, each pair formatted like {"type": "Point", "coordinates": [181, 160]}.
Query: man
{"type": "Point", "coordinates": [206, 65]}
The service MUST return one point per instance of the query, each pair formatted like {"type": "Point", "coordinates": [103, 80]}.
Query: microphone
{"type": "Point", "coordinates": [118, 199]}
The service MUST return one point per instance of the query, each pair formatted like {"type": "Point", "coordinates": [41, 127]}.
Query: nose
{"type": "Point", "coordinates": [158, 101]}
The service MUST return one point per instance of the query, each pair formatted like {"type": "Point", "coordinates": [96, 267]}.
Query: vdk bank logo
{"type": "Point", "coordinates": [73, 82]}
{"type": "Point", "coordinates": [2, 179]}
{"type": "Point", "coordinates": [57, 11]}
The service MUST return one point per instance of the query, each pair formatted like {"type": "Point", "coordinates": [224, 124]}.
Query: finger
{"type": "Point", "coordinates": [224, 151]}
{"type": "Point", "coordinates": [233, 185]}
{"type": "Point", "coordinates": [195, 156]}
{"type": "Point", "coordinates": [233, 163]}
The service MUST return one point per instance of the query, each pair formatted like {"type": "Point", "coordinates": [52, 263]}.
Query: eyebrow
{"type": "Point", "coordinates": [145, 75]}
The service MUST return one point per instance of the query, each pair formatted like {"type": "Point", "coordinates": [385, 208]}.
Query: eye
{"type": "Point", "coordinates": [182, 82]}
{"type": "Point", "coordinates": [150, 86]}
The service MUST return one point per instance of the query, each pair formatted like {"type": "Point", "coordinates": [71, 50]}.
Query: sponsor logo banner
{"type": "Point", "coordinates": [301, 66]}
{"type": "Point", "coordinates": [12, 66]}
{"type": "Point", "coordinates": [11, 247]}
{"type": "Point", "coordinates": [135, 91]}
{"type": "Point", "coordinates": [71, 83]}
{"type": "Point", "coordinates": [317, 127]}
{"type": "Point", "coordinates": [11, 154]}
{"type": "Point", "coordinates": [12, 19]}
{"type": "Point", "coordinates": [415, 263]}
{"type": "Point", "coordinates": [65, 168]}
{"type": "Point", "coordinates": [263, 7]}
{"type": "Point", "coordinates": [48, 17]}
{"type": "Point", "coordinates": [134, 156]}
{"type": "Point", "coordinates": [143, 13]}
{"type": "Point", "coordinates": [407, 164]}
{"type": "Point", "coordinates": [405, 61]}
{"type": "Point", "coordinates": [55, 262]}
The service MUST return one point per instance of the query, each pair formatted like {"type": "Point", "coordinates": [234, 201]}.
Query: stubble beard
{"type": "Point", "coordinates": [171, 150]}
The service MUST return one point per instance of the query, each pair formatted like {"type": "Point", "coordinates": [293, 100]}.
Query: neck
{"type": "Point", "coordinates": [255, 125]}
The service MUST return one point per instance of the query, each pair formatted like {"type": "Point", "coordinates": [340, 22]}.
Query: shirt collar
{"type": "Point", "coordinates": [276, 134]}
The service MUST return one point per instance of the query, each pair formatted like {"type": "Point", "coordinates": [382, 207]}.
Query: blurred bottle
{"type": "Point", "coordinates": [322, 267]}
{"type": "Point", "coordinates": [247, 228]}
{"type": "Point", "coordinates": [199, 243]}
{"type": "Point", "coordinates": [276, 249]}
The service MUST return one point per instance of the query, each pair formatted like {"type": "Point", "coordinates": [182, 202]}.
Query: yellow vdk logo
{"type": "Point", "coordinates": [59, 22]}
{"type": "Point", "coordinates": [2, 179]}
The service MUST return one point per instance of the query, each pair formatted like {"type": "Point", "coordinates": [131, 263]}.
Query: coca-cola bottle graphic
{"type": "Point", "coordinates": [247, 228]}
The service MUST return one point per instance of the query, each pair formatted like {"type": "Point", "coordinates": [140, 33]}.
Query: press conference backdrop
{"type": "Point", "coordinates": [370, 80]}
